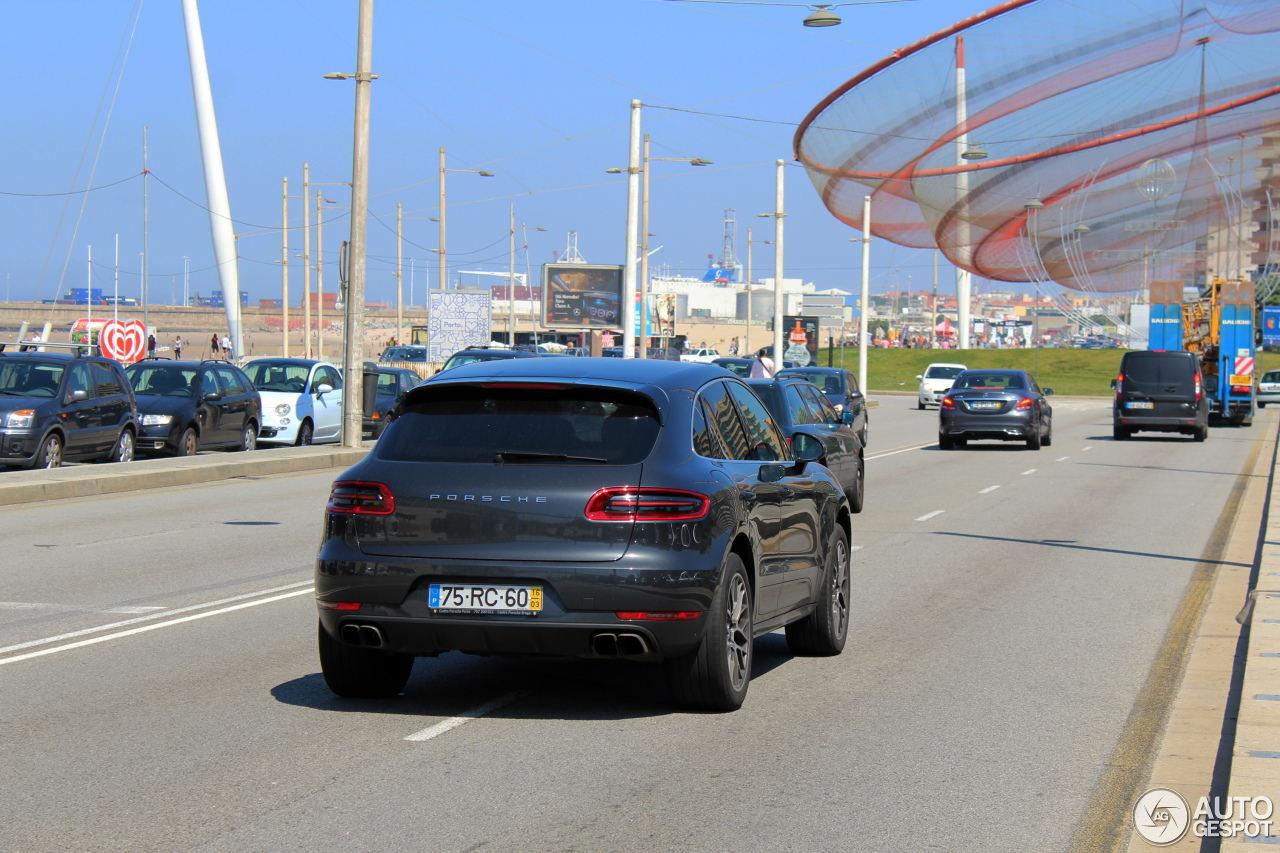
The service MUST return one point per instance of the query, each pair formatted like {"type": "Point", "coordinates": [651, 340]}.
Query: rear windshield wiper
{"type": "Point", "coordinates": [515, 456]}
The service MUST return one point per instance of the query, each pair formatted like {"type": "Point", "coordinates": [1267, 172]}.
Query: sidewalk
{"type": "Point", "coordinates": [19, 487]}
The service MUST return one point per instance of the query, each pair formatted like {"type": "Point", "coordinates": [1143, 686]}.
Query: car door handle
{"type": "Point", "coordinates": [785, 492]}
{"type": "Point", "coordinates": [748, 496]}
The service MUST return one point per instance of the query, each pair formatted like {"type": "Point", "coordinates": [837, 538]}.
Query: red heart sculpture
{"type": "Point", "coordinates": [123, 340]}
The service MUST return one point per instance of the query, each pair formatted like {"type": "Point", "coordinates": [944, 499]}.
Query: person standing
{"type": "Point", "coordinates": [762, 366]}
{"type": "Point", "coordinates": [151, 346]}
{"type": "Point", "coordinates": [226, 347]}
{"type": "Point", "coordinates": [177, 346]}
{"type": "Point", "coordinates": [214, 347]}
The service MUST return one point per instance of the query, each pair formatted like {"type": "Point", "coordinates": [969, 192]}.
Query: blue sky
{"type": "Point", "coordinates": [536, 91]}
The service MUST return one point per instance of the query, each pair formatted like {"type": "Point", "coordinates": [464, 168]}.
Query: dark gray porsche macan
{"type": "Point", "coordinates": [582, 508]}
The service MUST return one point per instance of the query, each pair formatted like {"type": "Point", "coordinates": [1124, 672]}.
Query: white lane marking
{"type": "Point", "coordinates": [936, 512]}
{"type": "Point", "coordinates": [1028, 471]}
{"type": "Point", "coordinates": [72, 608]}
{"type": "Point", "coordinates": [122, 624]}
{"type": "Point", "coordinates": [988, 489]}
{"type": "Point", "coordinates": [859, 548]}
{"type": "Point", "coordinates": [158, 625]}
{"type": "Point", "coordinates": [1088, 448]}
{"type": "Point", "coordinates": [1062, 459]}
{"type": "Point", "coordinates": [465, 717]}
{"type": "Point", "coordinates": [903, 450]}
{"type": "Point", "coordinates": [129, 538]}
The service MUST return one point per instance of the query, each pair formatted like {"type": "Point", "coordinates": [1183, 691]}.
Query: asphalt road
{"type": "Point", "coordinates": [159, 687]}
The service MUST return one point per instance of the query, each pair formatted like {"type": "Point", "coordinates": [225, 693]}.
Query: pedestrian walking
{"type": "Point", "coordinates": [226, 347]}
{"type": "Point", "coordinates": [215, 348]}
{"type": "Point", "coordinates": [762, 366]}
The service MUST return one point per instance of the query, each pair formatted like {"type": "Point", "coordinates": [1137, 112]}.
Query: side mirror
{"type": "Point", "coordinates": [918, 376]}
{"type": "Point", "coordinates": [323, 388]}
{"type": "Point", "coordinates": [79, 394]}
{"type": "Point", "coordinates": [847, 417]}
{"type": "Point", "coordinates": [212, 397]}
{"type": "Point", "coordinates": [1048, 392]}
{"type": "Point", "coordinates": [806, 448]}
{"type": "Point", "coordinates": [1114, 385]}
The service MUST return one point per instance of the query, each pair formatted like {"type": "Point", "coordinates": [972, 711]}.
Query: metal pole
{"type": "Point", "coordinates": [186, 281]}
{"type": "Point", "coordinates": [353, 367]}
{"type": "Point", "coordinates": [644, 256]}
{"type": "Point", "coordinates": [284, 273]}
{"type": "Point", "coordinates": [964, 281]}
{"type": "Point", "coordinates": [442, 276]}
{"type": "Point", "coordinates": [215, 181]}
{"type": "Point", "coordinates": [306, 261]}
{"type": "Point", "coordinates": [115, 301]}
{"type": "Point", "coordinates": [145, 279]}
{"type": "Point", "coordinates": [866, 293]}
{"type": "Point", "coordinates": [511, 282]}
{"type": "Point", "coordinates": [88, 306]}
{"type": "Point", "coordinates": [933, 306]}
{"type": "Point", "coordinates": [399, 275]}
{"type": "Point", "coordinates": [777, 271]}
{"type": "Point", "coordinates": [629, 271]}
{"type": "Point", "coordinates": [746, 338]}
{"type": "Point", "coordinates": [320, 275]}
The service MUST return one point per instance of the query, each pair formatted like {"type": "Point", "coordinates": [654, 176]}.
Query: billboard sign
{"type": "Point", "coordinates": [582, 296]}
{"type": "Point", "coordinates": [456, 320]}
{"type": "Point", "coordinates": [1271, 326]}
{"type": "Point", "coordinates": [800, 340]}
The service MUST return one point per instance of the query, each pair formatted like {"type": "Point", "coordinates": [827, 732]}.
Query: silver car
{"type": "Point", "coordinates": [1269, 388]}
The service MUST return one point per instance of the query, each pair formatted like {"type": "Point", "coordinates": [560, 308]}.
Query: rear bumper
{"type": "Point", "coordinates": [999, 427]}
{"type": "Point", "coordinates": [1187, 425]}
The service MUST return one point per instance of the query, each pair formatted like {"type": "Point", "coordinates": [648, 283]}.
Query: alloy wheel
{"type": "Point", "coordinates": [840, 590]}
{"type": "Point", "coordinates": [738, 632]}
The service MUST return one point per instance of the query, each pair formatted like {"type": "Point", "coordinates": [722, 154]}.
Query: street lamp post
{"type": "Point", "coordinates": [746, 340]}
{"type": "Point", "coordinates": [644, 232]}
{"type": "Point", "coordinates": [777, 217]}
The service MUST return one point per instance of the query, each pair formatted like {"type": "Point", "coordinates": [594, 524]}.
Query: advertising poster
{"type": "Point", "coordinates": [456, 321]}
{"type": "Point", "coordinates": [800, 340]}
{"type": "Point", "coordinates": [578, 296]}
{"type": "Point", "coordinates": [1271, 326]}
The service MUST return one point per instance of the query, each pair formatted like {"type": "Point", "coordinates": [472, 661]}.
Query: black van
{"type": "Point", "coordinates": [1160, 391]}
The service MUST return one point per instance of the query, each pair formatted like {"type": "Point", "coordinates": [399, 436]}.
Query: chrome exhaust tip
{"type": "Point", "coordinates": [371, 636]}
{"type": "Point", "coordinates": [632, 644]}
{"type": "Point", "coordinates": [350, 634]}
{"type": "Point", "coordinates": [605, 645]}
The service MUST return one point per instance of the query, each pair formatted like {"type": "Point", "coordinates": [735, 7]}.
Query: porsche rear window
{"type": "Point", "coordinates": [523, 425]}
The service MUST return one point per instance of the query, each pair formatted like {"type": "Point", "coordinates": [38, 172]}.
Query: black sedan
{"type": "Point", "coordinates": [797, 406]}
{"type": "Point", "coordinates": [186, 406]}
{"type": "Point", "coordinates": [1005, 405]}
{"type": "Point", "coordinates": [613, 508]}
{"type": "Point", "coordinates": [840, 387]}
{"type": "Point", "coordinates": [472, 355]}
{"type": "Point", "coordinates": [393, 384]}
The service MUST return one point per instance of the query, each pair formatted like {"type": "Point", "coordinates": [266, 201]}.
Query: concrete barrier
{"type": "Point", "coordinates": [78, 481]}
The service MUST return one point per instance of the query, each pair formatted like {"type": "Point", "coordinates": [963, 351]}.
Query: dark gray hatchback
{"type": "Point", "coordinates": [1161, 391]}
{"type": "Point", "coordinates": [588, 508]}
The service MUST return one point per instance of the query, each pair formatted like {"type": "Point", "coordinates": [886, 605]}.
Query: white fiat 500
{"type": "Point", "coordinates": [935, 382]}
{"type": "Point", "coordinates": [301, 400]}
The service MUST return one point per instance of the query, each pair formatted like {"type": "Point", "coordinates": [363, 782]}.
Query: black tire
{"type": "Point", "coordinates": [859, 487]}
{"type": "Point", "coordinates": [945, 442]}
{"type": "Point", "coordinates": [1119, 433]}
{"type": "Point", "coordinates": [249, 438]}
{"type": "Point", "coordinates": [1261, 405]}
{"type": "Point", "coordinates": [360, 673]}
{"type": "Point", "coordinates": [1033, 440]}
{"type": "Point", "coordinates": [1246, 421]}
{"type": "Point", "coordinates": [1048, 437]}
{"type": "Point", "coordinates": [123, 451]}
{"type": "Point", "coordinates": [188, 444]}
{"type": "Point", "coordinates": [1201, 434]}
{"type": "Point", "coordinates": [717, 675]}
{"type": "Point", "coordinates": [920, 405]}
{"type": "Point", "coordinates": [824, 631]}
{"type": "Point", "coordinates": [962, 442]}
{"type": "Point", "coordinates": [50, 453]}
{"type": "Point", "coordinates": [304, 435]}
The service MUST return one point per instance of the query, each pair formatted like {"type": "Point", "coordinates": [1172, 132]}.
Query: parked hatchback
{"type": "Point", "coordinates": [184, 406]}
{"type": "Point", "coordinates": [301, 400]}
{"type": "Point", "coordinates": [56, 407]}
{"type": "Point", "coordinates": [616, 509]}
{"type": "Point", "coordinates": [1160, 391]}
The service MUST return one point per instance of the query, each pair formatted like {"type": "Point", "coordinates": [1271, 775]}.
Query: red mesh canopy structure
{"type": "Point", "coordinates": [1119, 116]}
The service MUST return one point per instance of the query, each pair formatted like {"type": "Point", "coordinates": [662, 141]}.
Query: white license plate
{"type": "Point", "coordinates": [1139, 404]}
{"type": "Point", "coordinates": [485, 598]}
{"type": "Point", "coordinates": [987, 405]}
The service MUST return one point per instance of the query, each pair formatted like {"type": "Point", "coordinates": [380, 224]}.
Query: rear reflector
{"type": "Point", "coordinates": [631, 504]}
{"type": "Point", "coordinates": [338, 605]}
{"type": "Point", "coordinates": [354, 497]}
{"type": "Point", "coordinates": [659, 616]}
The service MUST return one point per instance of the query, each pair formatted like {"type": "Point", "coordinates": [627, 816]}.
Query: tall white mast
{"type": "Point", "coordinates": [964, 280]}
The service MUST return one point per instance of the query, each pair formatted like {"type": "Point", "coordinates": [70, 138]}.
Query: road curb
{"type": "Point", "coordinates": [20, 487]}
